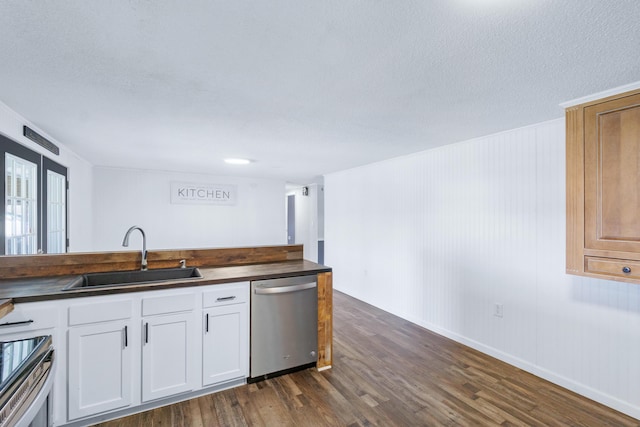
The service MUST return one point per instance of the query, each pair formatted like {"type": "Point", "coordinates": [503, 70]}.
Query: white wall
{"type": "Point", "coordinates": [439, 237]}
{"type": "Point", "coordinates": [127, 197]}
{"type": "Point", "coordinates": [79, 173]}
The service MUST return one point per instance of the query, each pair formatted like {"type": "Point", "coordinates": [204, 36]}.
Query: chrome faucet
{"type": "Point", "coordinates": [125, 242]}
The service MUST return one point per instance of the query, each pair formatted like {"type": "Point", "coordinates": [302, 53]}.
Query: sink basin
{"type": "Point", "coordinates": [123, 278]}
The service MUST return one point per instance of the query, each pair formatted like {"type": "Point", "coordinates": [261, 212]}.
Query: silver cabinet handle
{"type": "Point", "coordinates": [231, 298]}
{"type": "Point", "coordinates": [207, 323]}
{"type": "Point", "coordinates": [259, 290]}
{"type": "Point", "coordinates": [146, 332]}
{"type": "Point", "coordinates": [126, 337]}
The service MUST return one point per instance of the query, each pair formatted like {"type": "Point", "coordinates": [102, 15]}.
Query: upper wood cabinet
{"type": "Point", "coordinates": [603, 188]}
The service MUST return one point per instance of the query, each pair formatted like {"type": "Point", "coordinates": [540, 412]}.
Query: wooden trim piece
{"type": "Point", "coordinates": [225, 257]}
{"type": "Point", "coordinates": [47, 265]}
{"type": "Point", "coordinates": [325, 321]}
{"type": "Point", "coordinates": [575, 190]}
{"type": "Point", "coordinates": [6, 307]}
{"type": "Point", "coordinates": [595, 98]}
{"type": "Point", "coordinates": [611, 254]}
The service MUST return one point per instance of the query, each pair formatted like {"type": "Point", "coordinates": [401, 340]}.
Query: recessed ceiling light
{"type": "Point", "coordinates": [237, 161]}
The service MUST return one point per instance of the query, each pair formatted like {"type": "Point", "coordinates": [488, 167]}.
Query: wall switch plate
{"type": "Point", "coordinates": [498, 310]}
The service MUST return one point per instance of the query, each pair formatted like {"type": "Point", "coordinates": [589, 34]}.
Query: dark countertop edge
{"type": "Point", "coordinates": [211, 276]}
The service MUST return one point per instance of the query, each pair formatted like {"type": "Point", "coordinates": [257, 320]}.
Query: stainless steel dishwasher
{"type": "Point", "coordinates": [284, 325]}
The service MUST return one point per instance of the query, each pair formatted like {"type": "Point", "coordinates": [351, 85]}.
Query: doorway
{"type": "Point", "coordinates": [34, 193]}
{"type": "Point", "coordinates": [291, 219]}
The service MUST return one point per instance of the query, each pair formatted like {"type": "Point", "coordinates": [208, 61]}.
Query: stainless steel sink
{"type": "Point", "coordinates": [124, 278]}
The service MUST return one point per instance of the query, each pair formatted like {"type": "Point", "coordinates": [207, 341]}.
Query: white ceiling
{"type": "Point", "coordinates": [302, 87]}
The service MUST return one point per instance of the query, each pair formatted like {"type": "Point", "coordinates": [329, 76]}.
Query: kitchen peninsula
{"type": "Point", "coordinates": [35, 286]}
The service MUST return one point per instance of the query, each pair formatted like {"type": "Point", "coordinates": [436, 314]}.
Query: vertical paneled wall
{"type": "Point", "coordinates": [442, 236]}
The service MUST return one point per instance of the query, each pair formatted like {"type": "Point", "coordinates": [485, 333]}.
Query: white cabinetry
{"type": "Point", "coordinates": [30, 320]}
{"type": "Point", "coordinates": [99, 368]}
{"type": "Point", "coordinates": [168, 365]}
{"type": "Point", "coordinates": [33, 319]}
{"type": "Point", "coordinates": [100, 357]}
{"type": "Point", "coordinates": [118, 352]}
{"type": "Point", "coordinates": [225, 343]}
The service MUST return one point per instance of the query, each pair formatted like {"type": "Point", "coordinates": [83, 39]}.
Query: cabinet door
{"type": "Point", "coordinates": [612, 171]}
{"type": "Point", "coordinates": [167, 367]}
{"type": "Point", "coordinates": [99, 372]}
{"type": "Point", "coordinates": [225, 344]}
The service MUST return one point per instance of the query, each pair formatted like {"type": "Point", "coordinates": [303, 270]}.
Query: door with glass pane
{"type": "Point", "coordinates": [21, 200]}
{"type": "Point", "coordinates": [54, 233]}
{"type": "Point", "coordinates": [35, 202]}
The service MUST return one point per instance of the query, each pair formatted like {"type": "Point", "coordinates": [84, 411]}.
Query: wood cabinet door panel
{"type": "Point", "coordinates": [612, 175]}
{"type": "Point", "coordinates": [613, 267]}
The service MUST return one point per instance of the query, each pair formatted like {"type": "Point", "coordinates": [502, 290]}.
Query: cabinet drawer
{"type": "Point", "coordinates": [26, 318]}
{"type": "Point", "coordinates": [174, 303]}
{"type": "Point", "coordinates": [225, 295]}
{"type": "Point", "coordinates": [103, 311]}
{"type": "Point", "coordinates": [613, 267]}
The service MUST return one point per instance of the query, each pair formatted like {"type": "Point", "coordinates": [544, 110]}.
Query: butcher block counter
{"type": "Point", "coordinates": [31, 278]}
{"type": "Point", "coordinates": [48, 288]}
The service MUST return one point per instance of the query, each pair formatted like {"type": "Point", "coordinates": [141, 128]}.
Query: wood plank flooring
{"type": "Point", "coordinates": [389, 372]}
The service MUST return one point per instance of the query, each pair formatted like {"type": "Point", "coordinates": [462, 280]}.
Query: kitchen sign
{"type": "Point", "coordinates": [203, 194]}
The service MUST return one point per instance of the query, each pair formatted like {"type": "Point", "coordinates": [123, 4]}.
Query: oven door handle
{"type": "Point", "coordinates": [259, 290]}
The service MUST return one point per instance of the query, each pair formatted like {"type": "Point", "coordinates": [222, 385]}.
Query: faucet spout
{"type": "Point", "coordinates": [125, 243]}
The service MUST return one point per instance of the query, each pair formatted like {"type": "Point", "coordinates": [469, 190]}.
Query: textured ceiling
{"type": "Point", "coordinates": [301, 87]}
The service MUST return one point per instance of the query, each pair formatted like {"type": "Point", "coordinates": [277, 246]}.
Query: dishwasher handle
{"type": "Point", "coordinates": [260, 290]}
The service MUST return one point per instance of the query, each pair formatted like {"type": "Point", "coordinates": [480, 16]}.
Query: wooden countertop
{"type": "Point", "coordinates": [50, 288]}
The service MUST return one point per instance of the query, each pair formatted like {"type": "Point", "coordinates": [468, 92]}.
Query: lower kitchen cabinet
{"type": "Point", "coordinates": [168, 367]}
{"type": "Point", "coordinates": [100, 355]}
{"type": "Point", "coordinates": [35, 319]}
{"type": "Point", "coordinates": [225, 344]}
{"type": "Point", "coordinates": [225, 335]}
{"type": "Point", "coordinates": [99, 370]}
{"type": "Point", "coordinates": [123, 351]}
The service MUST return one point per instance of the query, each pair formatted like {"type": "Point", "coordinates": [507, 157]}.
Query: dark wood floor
{"type": "Point", "coordinates": [389, 372]}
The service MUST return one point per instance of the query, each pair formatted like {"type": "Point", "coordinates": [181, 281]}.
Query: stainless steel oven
{"type": "Point", "coordinates": [26, 379]}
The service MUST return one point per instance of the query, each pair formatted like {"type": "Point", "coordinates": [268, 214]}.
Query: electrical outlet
{"type": "Point", "coordinates": [498, 310]}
